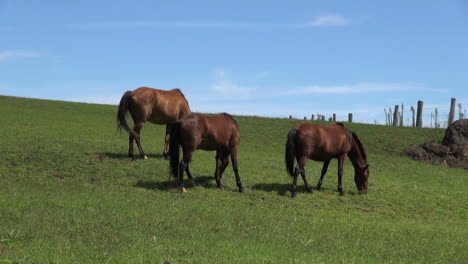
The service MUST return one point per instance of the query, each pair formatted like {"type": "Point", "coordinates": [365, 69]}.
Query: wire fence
{"type": "Point", "coordinates": [407, 116]}
{"type": "Point", "coordinates": [432, 117]}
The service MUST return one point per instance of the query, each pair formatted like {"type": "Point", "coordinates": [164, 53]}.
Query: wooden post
{"type": "Point", "coordinates": [312, 118]}
{"type": "Point", "coordinates": [419, 122]}
{"type": "Point", "coordinates": [395, 116]}
{"type": "Point", "coordinates": [412, 112]}
{"type": "Point", "coordinates": [305, 118]}
{"type": "Point", "coordinates": [350, 117]}
{"type": "Point", "coordinates": [290, 116]}
{"type": "Point", "coordinates": [334, 117]}
{"type": "Point", "coordinates": [452, 111]}
{"type": "Point", "coordinates": [401, 115]}
{"type": "Point", "coordinates": [323, 118]}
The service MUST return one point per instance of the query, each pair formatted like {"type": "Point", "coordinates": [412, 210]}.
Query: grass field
{"type": "Point", "coordinates": [70, 194]}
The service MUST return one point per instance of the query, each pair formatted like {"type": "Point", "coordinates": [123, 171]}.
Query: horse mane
{"type": "Point", "coordinates": [340, 124]}
{"type": "Point", "coordinates": [179, 91]}
{"type": "Point", "coordinates": [232, 118]}
{"type": "Point", "coordinates": [360, 146]}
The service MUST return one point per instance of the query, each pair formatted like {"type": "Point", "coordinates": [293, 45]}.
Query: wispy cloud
{"type": "Point", "coordinates": [318, 21]}
{"type": "Point", "coordinates": [359, 88]}
{"type": "Point", "coordinates": [105, 99]}
{"type": "Point", "coordinates": [327, 21]}
{"type": "Point", "coordinates": [226, 87]}
{"type": "Point", "coordinates": [8, 55]}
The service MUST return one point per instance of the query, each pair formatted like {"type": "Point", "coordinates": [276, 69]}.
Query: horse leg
{"type": "Point", "coordinates": [183, 167]}
{"type": "Point", "coordinates": [324, 170]}
{"type": "Point", "coordinates": [235, 168]}
{"type": "Point", "coordinates": [167, 138]}
{"type": "Point", "coordinates": [294, 183]}
{"type": "Point", "coordinates": [307, 186]}
{"type": "Point", "coordinates": [189, 175]}
{"type": "Point", "coordinates": [300, 170]}
{"type": "Point", "coordinates": [341, 161]}
{"type": "Point", "coordinates": [218, 169]}
{"type": "Point", "coordinates": [130, 146]}
{"type": "Point", "coordinates": [224, 164]}
{"type": "Point", "coordinates": [137, 128]}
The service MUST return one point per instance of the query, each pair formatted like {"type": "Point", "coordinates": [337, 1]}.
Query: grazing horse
{"type": "Point", "coordinates": [323, 143]}
{"type": "Point", "coordinates": [218, 133]}
{"type": "Point", "coordinates": [153, 105]}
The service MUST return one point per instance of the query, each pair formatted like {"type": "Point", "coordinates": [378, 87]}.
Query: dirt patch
{"type": "Point", "coordinates": [454, 149]}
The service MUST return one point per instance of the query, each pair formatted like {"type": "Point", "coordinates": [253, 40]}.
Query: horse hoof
{"type": "Point", "coordinates": [145, 157]}
{"type": "Point", "coordinates": [241, 189]}
{"type": "Point", "coordinates": [183, 190]}
{"type": "Point", "coordinates": [341, 193]}
{"type": "Point", "coordinates": [293, 195]}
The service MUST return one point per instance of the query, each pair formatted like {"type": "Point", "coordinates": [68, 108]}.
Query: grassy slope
{"type": "Point", "coordinates": [69, 194]}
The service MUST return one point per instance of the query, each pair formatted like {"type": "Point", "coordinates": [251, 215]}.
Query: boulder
{"type": "Point", "coordinates": [454, 149]}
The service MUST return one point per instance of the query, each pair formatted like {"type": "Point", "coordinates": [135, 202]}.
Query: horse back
{"type": "Point", "coordinates": [160, 106]}
{"type": "Point", "coordinates": [322, 143]}
{"type": "Point", "coordinates": [210, 132]}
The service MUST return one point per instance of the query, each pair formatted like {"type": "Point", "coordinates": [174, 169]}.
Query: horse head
{"type": "Point", "coordinates": [360, 178]}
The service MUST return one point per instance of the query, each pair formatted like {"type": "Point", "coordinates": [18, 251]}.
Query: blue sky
{"type": "Point", "coordinates": [267, 58]}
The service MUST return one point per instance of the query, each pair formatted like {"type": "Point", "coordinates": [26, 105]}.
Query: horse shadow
{"type": "Point", "coordinates": [281, 189]}
{"type": "Point", "coordinates": [204, 181]}
{"type": "Point", "coordinates": [284, 189]}
{"type": "Point", "coordinates": [152, 185]}
{"type": "Point", "coordinates": [120, 156]}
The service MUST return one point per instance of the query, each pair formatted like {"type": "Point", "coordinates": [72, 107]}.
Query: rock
{"type": "Point", "coordinates": [456, 133]}
{"type": "Point", "coordinates": [454, 149]}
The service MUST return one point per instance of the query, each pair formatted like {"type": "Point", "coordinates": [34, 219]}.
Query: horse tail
{"type": "Point", "coordinates": [122, 112]}
{"type": "Point", "coordinates": [289, 152]}
{"type": "Point", "coordinates": [174, 149]}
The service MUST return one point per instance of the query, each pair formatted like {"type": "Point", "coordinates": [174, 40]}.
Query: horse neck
{"type": "Point", "coordinates": [355, 156]}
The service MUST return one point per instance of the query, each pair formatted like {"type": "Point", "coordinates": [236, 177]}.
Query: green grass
{"type": "Point", "coordinates": [69, 194]}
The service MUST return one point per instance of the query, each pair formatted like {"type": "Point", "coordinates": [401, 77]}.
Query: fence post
{"type": "Point", "coordinates": [334, 117]}
{"type": "Point", "coordinates": [452, 111]}
{"type": "Point", "coordinates": [305, 118]}
{"type": "Point", "coordinates": [401, 115]}
{"type": "Point", "coordinates": [350, 117]}
{"type": "Point", "coordinates": [419, 121]}
{"type": "Point", "coordinates": [312, 117]}
{"type": "Point", "coordinates": [290, 116]}
{"type": "Point", "coordinates": [323, 118]}
{"type": "Point", "coordinates": [412, 112]}
{"type": "Point", "coordinates": [395, 116]}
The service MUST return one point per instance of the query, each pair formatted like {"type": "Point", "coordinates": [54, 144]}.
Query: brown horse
{"type": "Point", "coordinates": [218, 133]}
{"type": "Point", "coordinates": [323, 143]}
{"type": "Point", "coordinates": [153, 105]}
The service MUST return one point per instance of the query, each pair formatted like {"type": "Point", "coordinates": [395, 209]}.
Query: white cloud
{"type": "Point", "coordinates": [168, 24]}
{"type": "Point", "coordinates": [226, 87]}
{"type": "Point", "coordinates": [359, 88]}
{"type": "Point", "coordinates": [6, 55]}
{"type": "Point", "coordinates": [110, 100]}
{"type": "Point", "coordinates": [319, 21]}
{"type": "Point", "coordinates": [328, 21]}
